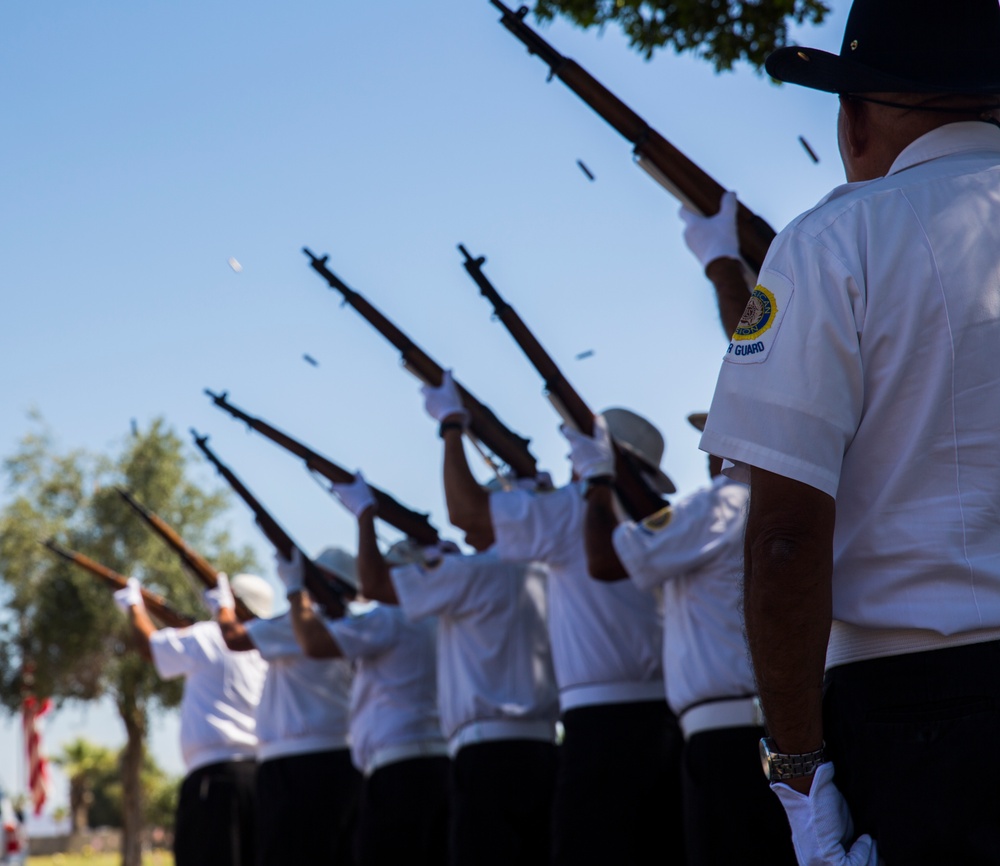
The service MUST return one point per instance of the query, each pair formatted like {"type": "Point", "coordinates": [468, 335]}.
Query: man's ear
{"type": "Point", "coordinates": [857, 126]}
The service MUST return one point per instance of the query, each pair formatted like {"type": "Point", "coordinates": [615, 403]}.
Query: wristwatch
{"type": "Point", "coordinates": [779, 767]}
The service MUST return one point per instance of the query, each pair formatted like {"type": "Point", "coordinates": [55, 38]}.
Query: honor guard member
{"type": "Point", "coordinates": [496, 692]}
{"type": "Point", "coordinates": [307, 787]}
{"type": "Point", "coordinates": [860, 395]}
{"type": "Point", "coordinates": [396, 739]}
{"type": "Point", "coordinates": [618, 791]}
{"type": "Point", "coordinates": [215, 823]}
{"type": "Point", "coordinates": [692, 552]}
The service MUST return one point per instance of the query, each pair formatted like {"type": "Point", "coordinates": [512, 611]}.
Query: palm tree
{"type": "Point", "coordinates": [87, 765]}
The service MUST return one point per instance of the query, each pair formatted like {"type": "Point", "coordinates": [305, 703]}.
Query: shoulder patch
{"type": "Point", "coordinates": [659, 520]}
{"type": "Point", "coordinates": [755, 334]}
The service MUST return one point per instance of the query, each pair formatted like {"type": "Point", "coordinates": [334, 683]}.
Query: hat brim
{"type": "Point", "coordinates": [660, 480]}
{"type": "Point", "coordinates": [821, 70]}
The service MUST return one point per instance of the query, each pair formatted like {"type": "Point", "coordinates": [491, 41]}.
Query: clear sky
{"type": "Point", "coordinates": [145, 143]}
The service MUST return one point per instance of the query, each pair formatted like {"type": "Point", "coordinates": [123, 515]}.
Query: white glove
{"type": "Point", "coordinates": [130, 596]}
{"type": "Point", "coordinates": [821, 824]}
{"type": "Point", "coordinates": [292, 572]}
{"type": "Point", "coordinates": [220, 598]}
{"type": "Point", "coordinates": [356, 497]}
{"type": "Point", "coordinates": [444, 400]}
{"type": "Point", "coordinates": [591, 455]}
{"type": "Point", "coordinates": [713, 237]}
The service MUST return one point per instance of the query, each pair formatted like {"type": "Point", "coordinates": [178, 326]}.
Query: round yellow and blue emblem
{"type": "Point", "coordinates": [759, 315]}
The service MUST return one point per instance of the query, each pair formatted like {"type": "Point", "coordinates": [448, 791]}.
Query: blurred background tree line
{"type": "Point", "coordinates": [61, 635]}
{"type": "Point", "coordinates": [95, 787]}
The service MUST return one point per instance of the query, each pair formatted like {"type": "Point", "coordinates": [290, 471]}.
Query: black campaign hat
{"type": "Point", "coordinates": [904, 46]}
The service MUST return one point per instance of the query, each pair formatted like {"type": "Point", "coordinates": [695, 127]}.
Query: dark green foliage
{"type": "Point", "coordinates": [63, 619]}
{"type": "Point", "coordinates": [720, 31]}
{"type": "Point", "coordinates": [94, 774]}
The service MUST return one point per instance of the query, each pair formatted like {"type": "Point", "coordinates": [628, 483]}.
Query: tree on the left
{"type": "Point", "coordinates": [59, 628]}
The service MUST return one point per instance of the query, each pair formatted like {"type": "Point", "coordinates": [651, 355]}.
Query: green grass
{"type": "Point", "coordinates": [157, 858]}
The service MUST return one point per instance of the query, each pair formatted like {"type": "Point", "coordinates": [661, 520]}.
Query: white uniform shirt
{"type": "Point", "coordinates": [870, 371]}
{"type": "Point", "coordinates": [394, 698]}
{"type": "Point", "coordinates": [494, 664]}
{"type": "Point", "coordinates": [305, 704]}
{"type": "Point", "coordinates": [221, 692]}
{"type": "Point", "coordinates": [607, 638]}
{"type": "Point", "coordinates": [697, 558]}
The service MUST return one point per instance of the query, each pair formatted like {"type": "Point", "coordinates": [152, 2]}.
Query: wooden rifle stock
{"type": "Point", "coordinates": [637, 497]}
{"type": "Point", "coordinates": [327, 588]}
{"type": "Point", "coordinates": [195, 563]}
{"type": "Point", "coordinates": [483, 423]}
{"type": "Point", "coordinates": [695, 188]}
{"type": "Point", "coordinates": [414, 524]}
{"type": "Point", "coordinates": [155, 604]}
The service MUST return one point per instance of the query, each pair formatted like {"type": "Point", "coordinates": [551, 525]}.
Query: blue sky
{"type": "Point", "coordinates": [147, 142]}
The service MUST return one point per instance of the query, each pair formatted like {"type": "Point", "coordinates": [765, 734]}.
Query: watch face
{"type": "Point", "coordinates": [765, 757]}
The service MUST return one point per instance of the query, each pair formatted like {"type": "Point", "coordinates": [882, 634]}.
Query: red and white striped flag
{"type": "Point", "coordinates": [38, 766]}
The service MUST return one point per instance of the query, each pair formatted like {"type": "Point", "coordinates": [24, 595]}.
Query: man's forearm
{"type": "Point", "coordinates": [142, 630]}
{"type": "Point", "coordinates": [374, 575]}
{"type": "Point", "coordinates": [310, 633]}
{"type": "Point", "coordinates": [731, 291]}
{"type": "Point", "coordinates": [787, 600]}
{"type": "Point", "coordinates": [599, 526]}
{"type": "Point", "coordinates": [468, 503]}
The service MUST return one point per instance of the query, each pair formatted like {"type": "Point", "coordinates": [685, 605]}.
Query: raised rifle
{"type": "Point", "coordinates": [695, 188]}
{"type": "Point", "coordinates": [155, 604]}
{"type": "Point", "coordinates": [483, 423]}
{"type": "Point", "coordinates": [637, 497]}
{"type": "Point", "coordinates": [195, 563]}
{"type": "Point", "coordinates": [412, 523]}
{"type": "Point", "coordinates": [327, 588]}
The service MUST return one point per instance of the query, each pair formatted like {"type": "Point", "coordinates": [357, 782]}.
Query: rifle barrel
{"type": "Point", "coordinates": [324, 586]}
{"type": "Point", "coordinates": [414, 524]}
{"type": "Point", "coordinates": [155, 604]}
{"type": "Point", "coordinates": [200, 567]}
{"type": "Point", "coordinates": [484, 424]}
{"type": "Point", "coordinates": [688, 181]}
{"type": "Point", "coordinates": [638, 498]}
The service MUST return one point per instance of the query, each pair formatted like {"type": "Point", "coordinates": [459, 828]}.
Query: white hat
{"type": "Point", "coordinates": [255, 593]}
{"type": "Point", "coordinates": [637, 436]}
{"type": "Point", "coordinates": [341, 563]}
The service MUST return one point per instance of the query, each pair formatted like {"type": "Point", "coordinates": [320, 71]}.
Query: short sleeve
{"type": "Point", "coordinates": [177, 652]}
{"type": "Point", "coordinates": [367, 634]}
{"type": "Point", "coordinates": [790, 392]}
{"type": "Point", "coordinates": [530, 525]}
{"type": "Point", "coordinates": [433, 590]}
{"type": "Point", "coordinates": [274, 638]}
{"type": "Point", "coordinates": [676, 542]}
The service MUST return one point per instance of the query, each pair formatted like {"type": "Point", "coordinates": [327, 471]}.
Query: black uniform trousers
{"type": "Point", "coordinates": [307, 809]}
{"type": "Point", "coordinates": [618, 792]}
{"type": "Point", "coordinates": [731, 815]}
{"type": "Point", "coordinates": [914, 742]}
{"type": "Point", "coordinates": [215, 824]}
{"type": "Point", "coordinates": [403, 818]}
{"type": "Point", "coordinates": [501, 803]}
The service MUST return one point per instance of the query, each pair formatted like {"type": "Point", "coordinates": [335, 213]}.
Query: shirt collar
{"type": "Point", "coordinates": [952, 138]}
